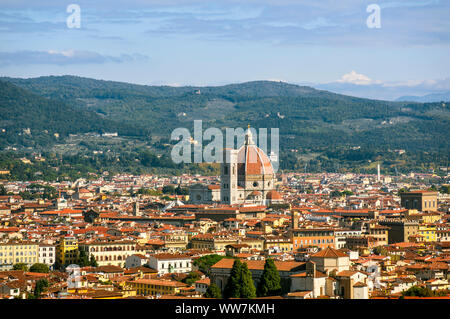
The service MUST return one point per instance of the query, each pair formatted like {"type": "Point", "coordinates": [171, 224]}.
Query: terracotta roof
{"type": "Point", "coordinates": [273, 195]}
{"type": "Point", "coordinates": [205, 281]}
{"type": "Point", "coordinates": [109, 269]}
{"type": "Point", "coordinates": [259, 264]}
{"type": "Point", "coordinates": [329, 253]}
{"type": "Point", "coordinates": [159, 282]}
{"type": "Point", "coordinates": [253, 161]}
{"type": "Point", "coordinates": [299, 293]}
{"type": "Point", "coordinates": [346, 273]}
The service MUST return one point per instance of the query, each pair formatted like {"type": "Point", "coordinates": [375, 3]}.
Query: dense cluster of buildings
{"type": "Point", "coordinates": [331, 235]}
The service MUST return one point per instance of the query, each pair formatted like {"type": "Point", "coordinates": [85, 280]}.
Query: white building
{"type": "Point", "coordinates": [360, 291]}
{"type": "Point", "coordinates": [47, 255]}
{"type": "Point", "coordinates": [136, 260]}
{"type": "Point", "coordinates": [341, 236]}
{"type": "Point", "coordinates": [311, 280]}
{"type": "Point", "coordinates": [202, 285]}
{"type": "Point", "coordinates": [170, 263]}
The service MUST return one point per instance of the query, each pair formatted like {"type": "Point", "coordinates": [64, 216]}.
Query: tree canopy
{"type": "Point", "coordinates": [233, 285]}
{"type": "Point", "coordinates": [270, 283]}
{"type": "Point", "coordinates": [213, 291]}
{"type": "Point", "coordinates": [20, 266]}
{"type": "Point", "coordinates": [38, 267]}
{"type": "Point", "coordinates": [240, 283]}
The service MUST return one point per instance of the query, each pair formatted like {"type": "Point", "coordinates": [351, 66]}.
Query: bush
{"type": "Point", "coordinates": [42, 268]}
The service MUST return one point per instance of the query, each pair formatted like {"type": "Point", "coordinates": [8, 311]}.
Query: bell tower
{"type": "Point", "coordinates": [228, 178]}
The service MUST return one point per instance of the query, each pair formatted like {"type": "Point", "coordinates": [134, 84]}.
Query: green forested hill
{"type": "Point", "coordinates": [328, 125]}
{"type": "Point", "coordinates": [22, 110]}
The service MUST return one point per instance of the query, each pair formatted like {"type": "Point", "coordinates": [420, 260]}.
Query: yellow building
{"type": "Point", "coordinates": [427, 218]}
{"type": "Point", "coordinates": [281, 243]}
{"type": "Point", "coordinates": [428, 231]}
{"type": "Point", "coordinates": [154, 287]}
{"type": "Point", "coordinates": [18, 252]}
{"type": "Point", "coordinates": [431, 218]}
{"type": "Point", "coordinates": [67, 251]}
{"type": "Point", "coordinates": [176, 241]}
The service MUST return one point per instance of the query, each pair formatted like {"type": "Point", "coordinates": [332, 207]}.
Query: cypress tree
{"type": "Point", "coordinates": [233, 286]}
{"type": "Point", "coordinates": [270, 283]}
{"type": "Point", "coordinates": [93, 262]}
{"type": "Point", "coordinates": [39, 287]}
{"type": "Point", "coordinates": [83, 260]}
{"type": "Point", "coordinates": [248, 289]}
{"type": "Point", "coordinates": [213, 291]}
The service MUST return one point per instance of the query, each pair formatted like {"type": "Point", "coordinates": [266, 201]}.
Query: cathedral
{"type": "Point", "coordinates": [247, 177]}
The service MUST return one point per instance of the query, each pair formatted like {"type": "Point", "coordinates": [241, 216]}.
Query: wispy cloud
{"type": "Point", "coordinates": [409, 22]}
{"type": "Point", "coordinates": [63, 57]}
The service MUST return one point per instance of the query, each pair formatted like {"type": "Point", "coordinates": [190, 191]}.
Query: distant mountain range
{"type": "Point", "coordinates": [435, 97]}
{"type": "Point", "coordinates": [436, 91]}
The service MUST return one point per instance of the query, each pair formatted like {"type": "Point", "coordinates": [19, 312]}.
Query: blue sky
{"type": "Point", "coordinates": [183, 42]}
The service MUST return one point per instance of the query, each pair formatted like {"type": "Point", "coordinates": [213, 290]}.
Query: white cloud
{"type": "Point", "coordinates": [356, 78]}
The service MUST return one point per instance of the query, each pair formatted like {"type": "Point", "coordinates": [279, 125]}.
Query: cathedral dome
{"type": "Point", "coordinates": [273, 195]}
{"type": "Point", "coordinates": [252, 160]}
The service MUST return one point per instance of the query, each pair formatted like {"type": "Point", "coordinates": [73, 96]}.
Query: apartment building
{"type": "Point", "coordinates": [317, 237]}
{"type": "Point", "coordinates": [67, 251]}
{"type": "Point", "coordinates": [170, 263]}
{"type": "Point", "coordinates": [47, 255]}
{"type": "Point", "coordinates": [18, 252]}
{"type": "Point", "coordinates": [154, 287]}
{"type": "Point", "coordinates": [109, 253]}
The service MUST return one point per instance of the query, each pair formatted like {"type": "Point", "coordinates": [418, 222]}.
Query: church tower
{"type": "Point", "coordinates": [228, 177]}
{"type": "Point", "coordinates": [136, 211]}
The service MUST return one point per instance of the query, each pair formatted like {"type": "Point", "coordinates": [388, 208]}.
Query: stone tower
{"type": "Point", "coordinates": [228, 178]}
{"type": "Point", "coordinates": [136, 211]}
{"type": "Point", "coordinates": [294, 221]}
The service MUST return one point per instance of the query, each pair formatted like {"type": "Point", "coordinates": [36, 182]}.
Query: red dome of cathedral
{"type": "Point", "coordinates": [274, 195]}
{"type": "Point", "coordinates": [252, 160]}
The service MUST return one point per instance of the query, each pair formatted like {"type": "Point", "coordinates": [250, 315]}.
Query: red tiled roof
{"type": "Point", "coordinates": [259, 264]}
{"type": "Point", "coordinates": [329, 253]}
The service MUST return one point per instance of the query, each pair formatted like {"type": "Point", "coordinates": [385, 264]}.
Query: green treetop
{"type": "Point", "coordinates": [233, 286]}
{"type": "Point", "coordinates": [248, 289]}
{"type": "Point", "coordinates": [270, 283]}
{"type": "Point", "coordinates": [42, 268]}
{"type": "Point", "coordinates": [20, 266]}
{"type": "Point", "coordinates": [213, 291]}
